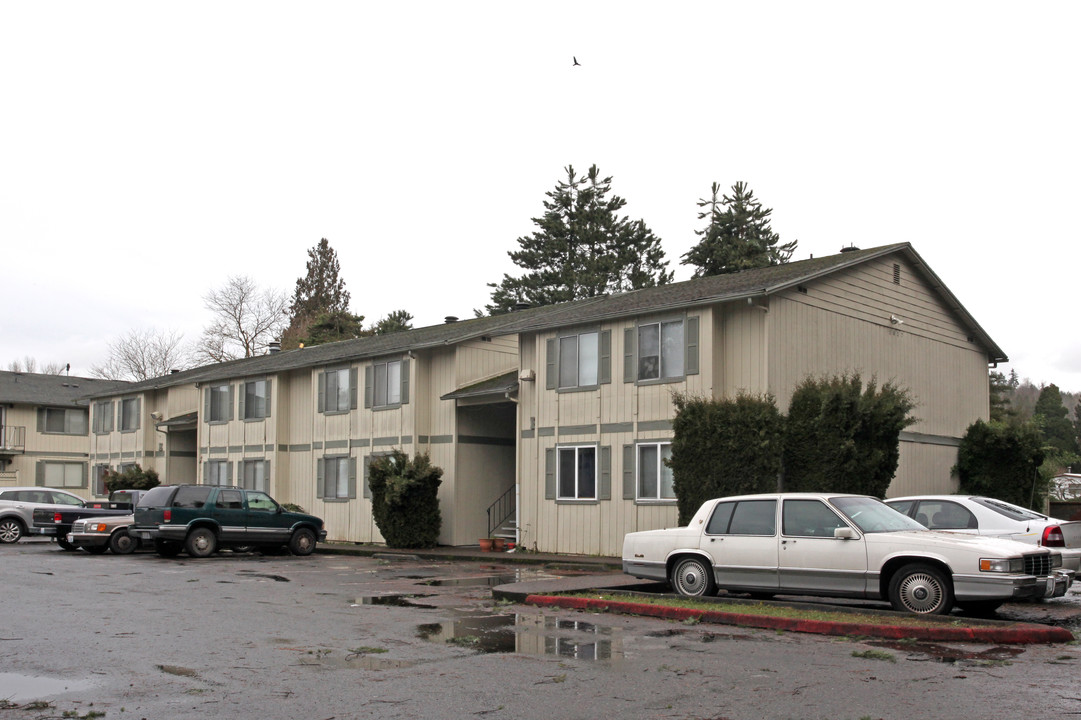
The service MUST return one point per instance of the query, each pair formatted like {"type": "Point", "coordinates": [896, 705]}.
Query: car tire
{"type": "Point", "coordinates": [692, 577]}
{"type": "Point", "coordinates": [122, 543]}
{"type": "Point", "coordinates": [96, 549]}
{"type": "Point", "coordinates": [167, 548]}
{"type": "Point", "coordinates": [65, 545]}
{"type": "Point", "coordinates": [11, 530]}
{"type": "Point", "coordinates": [302, 542]}
{"type": "Point", "coordinates": [201, 542]}
{"type": "Point", "coordinates": [921, 589]}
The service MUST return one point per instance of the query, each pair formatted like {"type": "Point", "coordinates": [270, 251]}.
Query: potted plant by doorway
{"type": "Point", "coordinates": [499, 544]}
{"type": "Point", "coordinates": [486, 544]}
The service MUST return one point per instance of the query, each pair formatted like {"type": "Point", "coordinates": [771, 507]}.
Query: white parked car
{"type": "Point", "coordinates": [842, 546]}
{"type": "Point", "coordinates": [17, 505]}
{"type": "Point", "coordinates": [995, 518]}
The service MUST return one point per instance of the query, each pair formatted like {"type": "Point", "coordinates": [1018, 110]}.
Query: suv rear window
{"type": "Point", "coordinates": [157, 497]}
{"type": "Point", "coordinates": [191, 496]}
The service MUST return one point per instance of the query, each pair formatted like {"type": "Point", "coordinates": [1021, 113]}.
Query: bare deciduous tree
{"type": "Point", "coordinates": [246, 320]}
{"type": "Point", "coordinates": [144, 354]}
{"type": "Point", "coordinates": [30, 365]}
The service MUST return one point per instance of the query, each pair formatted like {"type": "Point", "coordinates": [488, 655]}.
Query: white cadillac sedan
{"type": "Point", "coordinates": [840, 546]}
{"type": "Point", "coordinates": [975, 515]}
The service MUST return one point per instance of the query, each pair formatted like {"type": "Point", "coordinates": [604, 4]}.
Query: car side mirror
{"type": "Point", "coordinates": [844, 533]}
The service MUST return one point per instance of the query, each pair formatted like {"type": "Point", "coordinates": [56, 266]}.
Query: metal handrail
{"type": "Point", "coordinates": [501, 509]}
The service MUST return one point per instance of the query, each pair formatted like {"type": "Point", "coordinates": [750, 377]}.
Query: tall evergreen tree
{"type": "Point", "coordinates": [395, 321]}
{"type": "Point", "coordinates": [319, 311]}
{"type": "Point", "coordinates": [1051, 415]}
{"type": "Point", "coordinates": [999, 390]}
{"type": "Point", "coordinates": [737, 235]}
{"type": "Point", "coordinates": [582, 248]}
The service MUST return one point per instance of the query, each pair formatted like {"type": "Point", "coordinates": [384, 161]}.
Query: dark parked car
{"type": "Point", "coordinates": [200, 519]}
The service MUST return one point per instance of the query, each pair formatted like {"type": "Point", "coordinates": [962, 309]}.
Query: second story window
{"type": "Point", "coordinates": [661, 351]}
{"type": "Point", "coordinates": [337, 390]}
{"type": "Point", "coordinates": [386, 384]}
{"type": "Point", "coordinates": [578, 359]}
{"type": "Point", "coordinates": [129, 414]}
{"type": "Point", "coordinates": [219, 403]}
{"type": "Point", "coordinates": [103, 417]}
{"type": "Point", "coordinates": [63, 421]}
{"type": "Point", "coordinates": [255, 400]}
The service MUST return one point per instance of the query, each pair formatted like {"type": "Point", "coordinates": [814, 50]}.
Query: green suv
{"type": "Point", "coordinates": [201, 519]}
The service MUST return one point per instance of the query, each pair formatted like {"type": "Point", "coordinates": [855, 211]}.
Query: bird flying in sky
{"type": "Point", "coordinates": [576, 63]}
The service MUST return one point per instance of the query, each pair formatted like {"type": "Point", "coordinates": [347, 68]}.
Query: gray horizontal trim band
{"type": "Point", "coordinates": [183, 453]}
{"type": "Point", "coordinates": [253, 448]}
{"type": "Point", "coordinates": [236, 448]}
{"type": "Point", "coordinates": [333, 444]}
{"type": "Point", "coordinates": [269, 447]}
{"type": "Point", "coordinates": [114, 455]}
{"type": "Point", "coordinates": [407, 439]}
{"type": "Point", "coordinates": [927, 439]}
{"type": "Point", "coordinates": [478, 440]}
{"type": "Point", "coordinates": [38, 453]}
{"type": "Point", "coordinates": [317, 445]}
{"type": "Point", "coordinates": [528, 434]}
{"type": "Point", "coordinates": [577, 430]}
{"type": "Point", "coordinates": [655, 425]}
{"type": "Point", "coordinates": [441, 439]}
{"type": "Point", "coordinates": [216, 450]}
{"type": "Point", "coordinates": [385, 441]}
{"type": "Point", "coordinates": [127, 454]}
{"type": "Point", "coordinates": [423, 439]}
{"type": "Point", "coordinates": [362, 442]}
{"type": "Point", "coordinates": [546, 432]}
{"type": "Point", "coordinates": [303, 447]}
{"type": "Point", "coordinates": [621, 427]}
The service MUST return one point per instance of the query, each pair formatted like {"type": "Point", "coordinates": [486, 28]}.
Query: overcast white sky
{"type": "Point", "coordinates": [150, 150]}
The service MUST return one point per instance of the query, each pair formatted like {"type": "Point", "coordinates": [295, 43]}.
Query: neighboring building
{"type": "Point", "coordinates": [44, 425]}
{"type": "Point", "coordinates": [595, 413]}
{"type": "Point", "coordinates": [560, 416]}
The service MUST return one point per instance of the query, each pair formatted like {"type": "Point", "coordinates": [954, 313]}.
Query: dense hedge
{"type": "Point", "coordinates": [405, 499]}
{"type": "Point", "coordinates": [1000, 460]}
{"type": "Point", "coordinates": [844, 437]}
{"type": "Point", "coordinates": [134, 478]}
{"type": "Point", "coordinates": [724, 447]}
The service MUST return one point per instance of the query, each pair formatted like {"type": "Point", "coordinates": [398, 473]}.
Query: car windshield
{"type": "Point", "coordinates": [1011, 511]}
{"type": "Point", "coordinates": [874, 516]}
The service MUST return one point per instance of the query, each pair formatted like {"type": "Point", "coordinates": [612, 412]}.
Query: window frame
{"type": "Point", "coordinates": [68, 421]}
{"type": "Point", "coordinates": [213, 467]}
{"type": "Point", "coordinates": [556, 365]}
{"type": "Point", "coordinates": [132, 416]}
{"type": "Point", "coordinates": [103, 421]}
{"type": "Point", "coordinates": [344, 472]}
{"type": "Point", "coordinates": [384, 384]}
{"type": "Point", "coordinates": [333, 389]}
{"type": "Point", "coordinates": [578, 450]}
{"type": "Point", "coordinates": [43, 472]}
{"type": "Point", "coordinates": [690, 349]}
{"type": "Point", "coordinates": [245, 409]}
{"type": "Point", "coordinates": [261, 481]}
{"type": "Point", "coordinates": [659, 445]}
{"type": "Point", "coordinates": [97, 479]}
{"type": "Point", "coordinates": [219, 403]}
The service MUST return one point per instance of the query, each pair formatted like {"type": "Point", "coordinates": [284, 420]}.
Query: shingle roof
{"type": "Point", "coordinates": [55, 390]}
{"type": "Point", "coordinates": [499, 385]}
{"type": "Point", "coordinates": [690, 293]}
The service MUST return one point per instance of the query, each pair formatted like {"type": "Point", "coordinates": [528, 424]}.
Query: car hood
{"type": "Point", "coordinates": [926, 539]}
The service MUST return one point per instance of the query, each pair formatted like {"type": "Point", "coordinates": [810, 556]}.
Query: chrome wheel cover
{"type": "Point", "coordinates": [921, 593]}
{"type": "Point", "coordinates": [690, 578]}
{"type": "Point", "coordinates": [10, 531]}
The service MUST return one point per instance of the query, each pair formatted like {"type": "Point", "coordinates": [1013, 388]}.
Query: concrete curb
{"type": "Point", "coordinates": [1006, 633]}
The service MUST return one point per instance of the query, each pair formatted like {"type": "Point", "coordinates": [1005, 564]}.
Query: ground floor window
{"type": "Point", "coordinates": [98, 480]}
{"type": "Point", "coordinates": [63, 474]}
{"type": "Point", "coordinates": [654, 477]}
{"type": "Point", "coordinates": [218, 472]}
{"type": "Point", "coordinates": [577, 468]}
{"type": "Point", "coordinates": [334, 478]}
{"type": "Point", "coordinates": [254, 475]}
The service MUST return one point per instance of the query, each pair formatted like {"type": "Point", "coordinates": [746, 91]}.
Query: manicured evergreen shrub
{"type": "Point", "coordinates": [724, 447]}
{"type": "Point", "coordinates": [134, 478]}
{"type": "Point", "coordinates": [842, 437]}
{"type": "Point", "coordinates": [405, 499]}
{"type": "Point", "coordinates": [1000, 460]}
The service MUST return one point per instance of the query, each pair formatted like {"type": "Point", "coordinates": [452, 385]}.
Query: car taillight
{"type": "Point", "coordinates": [56, 517]}
{"type": "Point", "coordinates": [168, 515]}
{"type": "Point", "coordinates": [1052, 537]}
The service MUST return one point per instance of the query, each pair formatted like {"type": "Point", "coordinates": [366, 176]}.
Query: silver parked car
{"type": "Point", "coordinates": [98, 534]}
{"type": "Point", "coordinates": [17, 505]}
{"type": "Point", "coordinates": [975, 515]}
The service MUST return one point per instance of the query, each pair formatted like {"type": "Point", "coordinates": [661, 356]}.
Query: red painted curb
{"type": "Point", "coordinates": [1012, 634]}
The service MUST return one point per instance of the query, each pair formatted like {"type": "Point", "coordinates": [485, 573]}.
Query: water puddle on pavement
{"type": "Point", "coordinates": [998, 655]}
{"type": "Point", "coordinates": [529, 635]}
{"type": "Point", "coordinates": [490, 580]}
{"type": "Point", "coordinates": [16, 688]}
{"type": "Point", "coordinates": [393, 601]}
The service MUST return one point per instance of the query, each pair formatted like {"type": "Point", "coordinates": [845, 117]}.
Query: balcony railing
{"type": "Point", "coordinates": [12, 440]}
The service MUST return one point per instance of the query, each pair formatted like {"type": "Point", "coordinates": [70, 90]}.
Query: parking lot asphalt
{"type": "Point", "coordinates": [1017, 623]}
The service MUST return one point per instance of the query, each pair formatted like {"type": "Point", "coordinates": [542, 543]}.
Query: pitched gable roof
{"type": "Point", "coordinates": [55, 390]}
{"type": "Point", "coordinates": [699, 292]}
